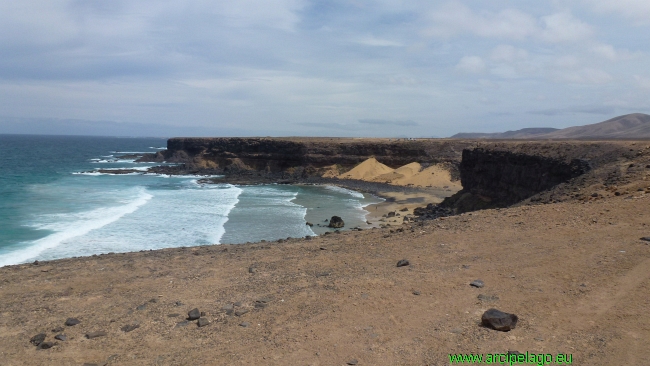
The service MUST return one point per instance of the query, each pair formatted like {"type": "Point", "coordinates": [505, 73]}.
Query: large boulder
{"type": "Point", "coordinates": [336, 222]}
{"type": "Point", "coordinates": [498, 320]}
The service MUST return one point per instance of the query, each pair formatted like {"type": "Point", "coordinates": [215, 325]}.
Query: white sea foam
{"type": "Point", "coordinates": [185, 176]}
{"type": "Point", "coordinates": [72, 225]}
{"type": "Point", "coordinates": [130, 152]}
{"type": "Point", "coordinates": [345, 190]}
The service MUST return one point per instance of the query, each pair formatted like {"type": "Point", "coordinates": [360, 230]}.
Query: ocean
{"type": "Point", "coordinates": [54, 204]}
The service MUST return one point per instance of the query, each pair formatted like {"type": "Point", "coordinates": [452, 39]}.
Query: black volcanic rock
{"type": "Point", "coordinates": [72, 321]}
{"type": "Point", "coordinates": [336, 222]}
{"type": "Point", "coordinates": [37, 339]}
{"type": "Point", "coordinates": [193, 314]}
{"type": "Point", "coordinates": [403, 263]}
{"type": "Point", "coordinates": [498, 320]}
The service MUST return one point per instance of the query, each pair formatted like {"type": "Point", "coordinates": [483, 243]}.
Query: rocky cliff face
{"type": "Point", "coordinates": [502, 178]}
{"type": "Point", "coordinates": [502, 174]}
{"type": "Point", "coordinates": [493, 174]}
{"type": "Point", "coordinates": [305, 156]}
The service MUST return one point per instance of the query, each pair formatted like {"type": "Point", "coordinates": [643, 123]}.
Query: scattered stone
{"type": "Point", "coordinates": [539, 339]}
{"type": "Point", "coordinates": [309, 223]}
{"type": "Point", "coordinates": [141, 307]}
{"type": "Point", "coordinates": [322, 274]}
{"type": "Point", "coordinates": [193, 314]}
{"type": "Point", "coordinates": [646, 238]}
{"type": "Point", "coordinates": [97, 334]}
{"type": "Point", "coordinates": [403, 262]}
{"type": "Point", "coordinates": [416, 293]}
{"type": "Point", "coordinates": [336, 222]}
{"type": "Point", "coordinates": [262, 303]}
{"type": "Point", "coordinates": [465, 266]}
{"type": "Point", "coordinates": [61, 337]}
{"type": "Point", "coordinates": [174, 315]}
{"type": "Point", "coordinates": [36, 263]}
{"type": "Point", "coordinates": [130, 327]}
{"type": "Point", "coordinates": [37, 339]}
{"type": "Point", "coordinates": [477, 284]}
{"type": "Point", "coordinates": [241, 312]}
{"type": "Point", "coordinates": [72, 321]}
{"type": "Point", "coordinates": [352, 362]}
{"type": "Point", "coordinates": [487, 298]}
{"type": "Point", "coordinates": [45, 345]}
{"type": "Point", "coordinates": [228, 307]}
{"type": "Point", "coordinates": [404, 209]}
{"type": "Point", "coordinates": [307, 237]}
{"type": "Point", "coordinates": [178, 303]}
{"type": "Point", "coordinates": [498, 320]}
{"type": "Point", "coordinates": [252, 269]}
{"type": "Point", "coordinates": [244, 324]}
{"type": "Point", "coordinates": [57, 330]}
{"type": "Point", "coordinates": [391, 214]}
{"type": "Point", "coordinates": [184, 323]}
{"type": "Point", "coordinates": [203, 322]}
{"type": "Point", "coordinates": [322, 248]}
{"type": "Point", "coordinates": [238, 303]}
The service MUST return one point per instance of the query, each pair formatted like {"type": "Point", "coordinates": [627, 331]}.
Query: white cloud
{"type": "Point", "coordinates": [507, 53]}
{"type": "Point", "coordinates": [456, 18]}
{"type": "Point", "coordinates": [471, 64]}
{"type": "Point", "coordinates": [376, 42]}
{"type": "Point", "coordinates": [605, 50]}
{"type": "Point", "coordinates": [281, 14]}
{"type": "Point", "coordinates": [564, 27]}
{"type": "Point", "coordinates": [583, 76]}
{"type": "Point", "coordinates": [35, 22]}
{"type": "Point", "coordinates": [567, 62]}
{"type": "Point", "coordinates": [642, 82]}
{"type": "Point", "coordinates": [638, 10]}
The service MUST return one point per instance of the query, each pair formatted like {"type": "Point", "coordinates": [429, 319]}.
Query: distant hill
{"type": "Point", "coordinates": [635, 125]}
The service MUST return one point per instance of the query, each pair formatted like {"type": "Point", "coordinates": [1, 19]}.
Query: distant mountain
{"type": "Point", "coordinates": [518, 134]}
{"type": "Point", "coordinates": [635, 125]}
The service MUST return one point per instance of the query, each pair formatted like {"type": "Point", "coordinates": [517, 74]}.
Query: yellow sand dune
{"type": "Point", "coordinates": [410, 174]}
{"type": "Point", "coordinates": [367, 170]}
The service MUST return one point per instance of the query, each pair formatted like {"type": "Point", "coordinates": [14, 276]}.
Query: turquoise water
{"type": "Point", "coordinates": [54, 205]}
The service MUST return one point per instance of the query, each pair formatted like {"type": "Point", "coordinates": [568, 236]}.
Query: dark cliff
{"type": "Point", "coordinates": [502, 174]}
{"type": "Point", "coordinates": [493, 174]}
{"type": "Point", "coordinates": [306, 156]}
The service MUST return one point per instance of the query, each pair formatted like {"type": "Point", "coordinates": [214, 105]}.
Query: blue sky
{"type": "Point", "coordinates": [321, 68]}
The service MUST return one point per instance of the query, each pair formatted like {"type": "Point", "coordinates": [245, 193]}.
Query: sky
{"type": "Point", "coordinates": [357, 68]}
